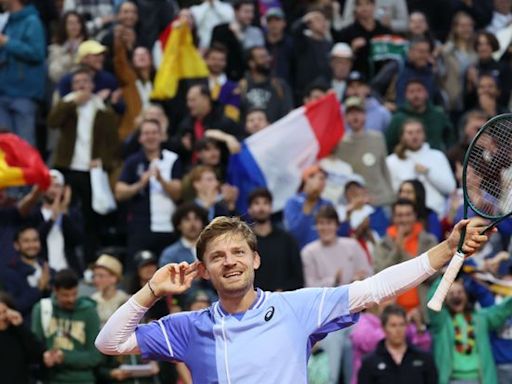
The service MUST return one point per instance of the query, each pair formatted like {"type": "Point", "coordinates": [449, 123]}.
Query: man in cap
{"type": "Point", "coordinates": [279, 44]}
{"type": "Point", "coordinates": [377, 115]}
{"type": "Point", "coordinates": [22, 68]}
{"type": "Point", "coordinates": [107, 273]}
{"type": "Point", "coordinates": [91, 55]}
{"type": "Point", "coordinates": [341, 59]}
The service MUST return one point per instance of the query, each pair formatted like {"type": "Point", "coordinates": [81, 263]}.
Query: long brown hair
{"type": "Point", "coordinates": [61, 33]}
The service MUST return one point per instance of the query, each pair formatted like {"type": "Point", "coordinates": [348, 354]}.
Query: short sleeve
{"type": "Point", "coordinates": [165, 339]}
{"type": "Point", "coordinates": [321, 310]}
{"type": "Point", "coordinates": [177, 170]}
{"type": "Point", "coordinates": [128, 175]}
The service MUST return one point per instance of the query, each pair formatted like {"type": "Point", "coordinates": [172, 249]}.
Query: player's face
{"type": "Point", "coordinates": [326, 230]}
{"type": "Point", "coordinates": [260, 209]}
{"type": "Point", "coordinates": [395, 330]}
{"type": "Point", "coordinates": [66, 297]}
{"type": "Point", "coordinates": [229, 263]}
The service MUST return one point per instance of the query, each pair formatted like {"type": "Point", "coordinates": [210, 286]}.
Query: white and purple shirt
{"type": "Point", "coordinates": [270, 343]}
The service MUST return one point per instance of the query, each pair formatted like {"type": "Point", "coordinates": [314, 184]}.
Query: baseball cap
{"type": "Point", "coordinates": [89, 47]}
{"type": "Point", "coordinates": [342, 50]}
{"type": "Point", "coordinates": [57, 176]}
{"type": "Point", "coordinates": [356, 76]}
{"type": "Point", "coordinates": [354, 102]}
{"type": "Point", "coordinates": [358, 216]}
{"type": "Point", "coordinates": [111, 264]}
{"type": "Point", "coordinates": [274, 12]}
{"type": "Point", "coordinates": [144, 257]}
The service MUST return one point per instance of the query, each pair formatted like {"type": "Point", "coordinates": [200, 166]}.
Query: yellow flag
{"type": "Point", "coordinates": [181, 60]}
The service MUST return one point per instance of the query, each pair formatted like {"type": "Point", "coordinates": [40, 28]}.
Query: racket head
{"type": "Point", "coordinates": [487, 170]}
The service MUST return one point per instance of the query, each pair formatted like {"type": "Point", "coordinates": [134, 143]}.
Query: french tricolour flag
{"type": "Point", "coordinates": [276, 156]}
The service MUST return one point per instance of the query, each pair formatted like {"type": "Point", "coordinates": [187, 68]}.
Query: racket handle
{"type": "Point", "coordinates": [436, 302]}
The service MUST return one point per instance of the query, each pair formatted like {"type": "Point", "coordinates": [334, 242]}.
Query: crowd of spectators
{"type": "Point", "coordinates": [414, 79]}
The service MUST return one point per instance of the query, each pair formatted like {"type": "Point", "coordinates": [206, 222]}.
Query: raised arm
{"type": "Point", "coordinates": [401, 277]}
{"type": "Point", "coordinates": [117, 337]}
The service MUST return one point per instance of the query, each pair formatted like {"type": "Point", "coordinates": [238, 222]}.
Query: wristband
{"type": "Point", "coordinates": [151, 289]}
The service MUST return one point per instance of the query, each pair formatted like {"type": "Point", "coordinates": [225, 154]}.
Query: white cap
{"type": "Point", "coordinates": [342, 50]}
{"type": "Point", "coordinates": [357, 217]}
{"type": "Point", "coordinates": [57, 176]}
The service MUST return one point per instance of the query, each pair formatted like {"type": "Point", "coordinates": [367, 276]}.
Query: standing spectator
{"type": "Point", "coordinates": [223, 90]}
{"type": "Point", "coordinates": [61, 228]}
{"type": "Point", "coordinates": [99, 14]}
{"type": "Point", "coordinates": [255, 120]}
{"type": "Point", "coordinates": [157, 16]}
{"type": "Point", "coordinates": [18, 346]}
{"type": "Point", "coordinates": [22, 74]}
{"type": "Point", "coordinates": [107, 274]}
{"type": "Point", "coordinates": [312, 44]}
{"type": "Point", "coordinates": [300, 210]}
{"type": "Point", "coordinates": [27, 278]}
{"type": "Point", "coordinates": [67, 325]}
{"type": "Point", "coordinates": [70, 33]}
{"type": "Point", "coordinates": [259, 89]}
{"type": "Point", "coordinates": [396, 360]}
{"type": "Point", "coordinates": [457, 55]}
{"type": "Point", "coordinates": [341, 59]}
{"type": "Point", "coordinates": [279, 44]}
{"type": "Point", "coordinates": [359, 34]}
{"type": "Point", "coordinates": [378, 116]}
{"type": "Point", "coordinates": [462, 348]}
{"type": "Point", "coordinates": [438, 128]}
{"type": "Point", "coordinates": [390, 13]}
{"type": "Point", "coordinates": [207, 16]}
{"type": "Point", "coordinates": [414, 159]}
{"type": "Point", "coordinates": [238, 36]}
{"type": "Point", "coordinates": [501, 17]}
{"type": "Point", "coordinates": [150, 184]}
{"type": "Point", "coordinates": [88, 139]}
{"type": "Point", "coordinates": [281, 266]}
{"type": "Point", "coordinates": [366, 152]}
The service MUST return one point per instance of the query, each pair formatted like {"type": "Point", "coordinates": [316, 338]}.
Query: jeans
{"type": "Point", "coordinates": [18, 115]}
{"type": "Point", "coordinates": [504, 373]}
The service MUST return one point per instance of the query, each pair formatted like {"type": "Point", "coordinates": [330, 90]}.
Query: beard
{"type": "Point", "coordinates": [263, 70]}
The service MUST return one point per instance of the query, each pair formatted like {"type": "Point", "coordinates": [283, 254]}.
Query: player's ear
{"type": "Point", "coordinates": [203, 272]}
{"type": "Point", "coordinates": [257, 260]}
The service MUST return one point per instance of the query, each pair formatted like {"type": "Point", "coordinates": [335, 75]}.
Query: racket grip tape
{"type": "Point", "coordinates": [436, 302]}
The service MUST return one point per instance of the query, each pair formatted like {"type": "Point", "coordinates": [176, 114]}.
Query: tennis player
{"type": "Point", "coordinates": [250, 336]}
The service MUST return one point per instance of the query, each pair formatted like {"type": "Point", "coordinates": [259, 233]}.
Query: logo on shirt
{"type": "Point", "coordinates": [269, 314]}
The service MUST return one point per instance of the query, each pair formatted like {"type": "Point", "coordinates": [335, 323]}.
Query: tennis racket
{"type": "Point", "coordinates": [486, 186]}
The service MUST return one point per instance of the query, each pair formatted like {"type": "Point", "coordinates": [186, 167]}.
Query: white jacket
{"type": "Point", "coordinates": [439, 181]}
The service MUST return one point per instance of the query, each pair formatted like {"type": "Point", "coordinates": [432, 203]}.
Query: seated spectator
{"type": "Point", "coordinates": [300, 210]}
{"type": "Point", "coordinates": [255, 120]}
{"type": "Point", "coordinates": [279, 44]}
{"type": "Point", "coordinates": [107, 274]}
{"type": "Point", "coordinates": [405, 239]}
{"type": "Point", "coordinates": [366, 153]}
{"type": "Point", "coordinates": [223, 90]}
{"type": "Point", "coordinates": [19, 347]}
{"type": "Point", "coordinates": [438, 128]}
{"type": "Point", "coordinates": [207, 16]}
{"type": "Point", "coordinates": [209, 194]}
{"type": "Point", "coordinates": [378, 116]}
{"type": "Point", "coordinates": [67, 325]}
{"type": "Point", "coordinates": [390, 13]}
{"type": "Point", "coordinates": [88, 139]}
{"type": "Point", "coordinates": [259, 89]}
{"type": "Point", "coordinates": [150, 183]}
{"type": "Point", "coordinates": [99, 15]}
{"type": "Point", "coordinates": [460, 334]}
{"type": "Point", "coordinates": [414, 191]}
{"type": "Point", "coordinates": [392, 81]}
{"type": "Point", "coordinates": [60, 228]}
{"type": "Point", "coordinates": [203, 117]}
{"type": "Point", "coordinates": [281, 266]}
{"type": "Point", "coordinates": [396, 360]}
{"type": "Point", "coordinates": [27, 278]}
{"type": "Point", "coordinates": [312, 44]}
{"type": "Point", "coordinates": [23, 73]}
{"type": "Point", "coordinates": [414, 159]}
{"type": "Point", "coordinates": [501, 17]}
{"type": "Point", "coordinates": [238, 36]}
{"type": "Point", "coordinates": [359, 34]}
{"type": "Point", "coordinates": [369, 331]}
{"type": "Point", "coordinates": [62, 53]}
{"type": "Point", "coordinates": [341, 59]}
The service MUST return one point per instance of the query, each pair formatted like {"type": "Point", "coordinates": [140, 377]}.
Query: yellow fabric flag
{"type": "Point", "coordinates": [181, 60]}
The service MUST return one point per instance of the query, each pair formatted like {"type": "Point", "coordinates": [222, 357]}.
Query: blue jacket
{"type": "Point", "coordinates": [22, 58]}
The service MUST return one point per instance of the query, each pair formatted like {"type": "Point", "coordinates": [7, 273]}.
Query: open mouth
{"type": "Point", "coordinates": [232, 275]}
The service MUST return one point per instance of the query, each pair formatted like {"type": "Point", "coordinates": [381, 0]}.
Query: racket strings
{"type": "Point", "coordinates": [489, 170]}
